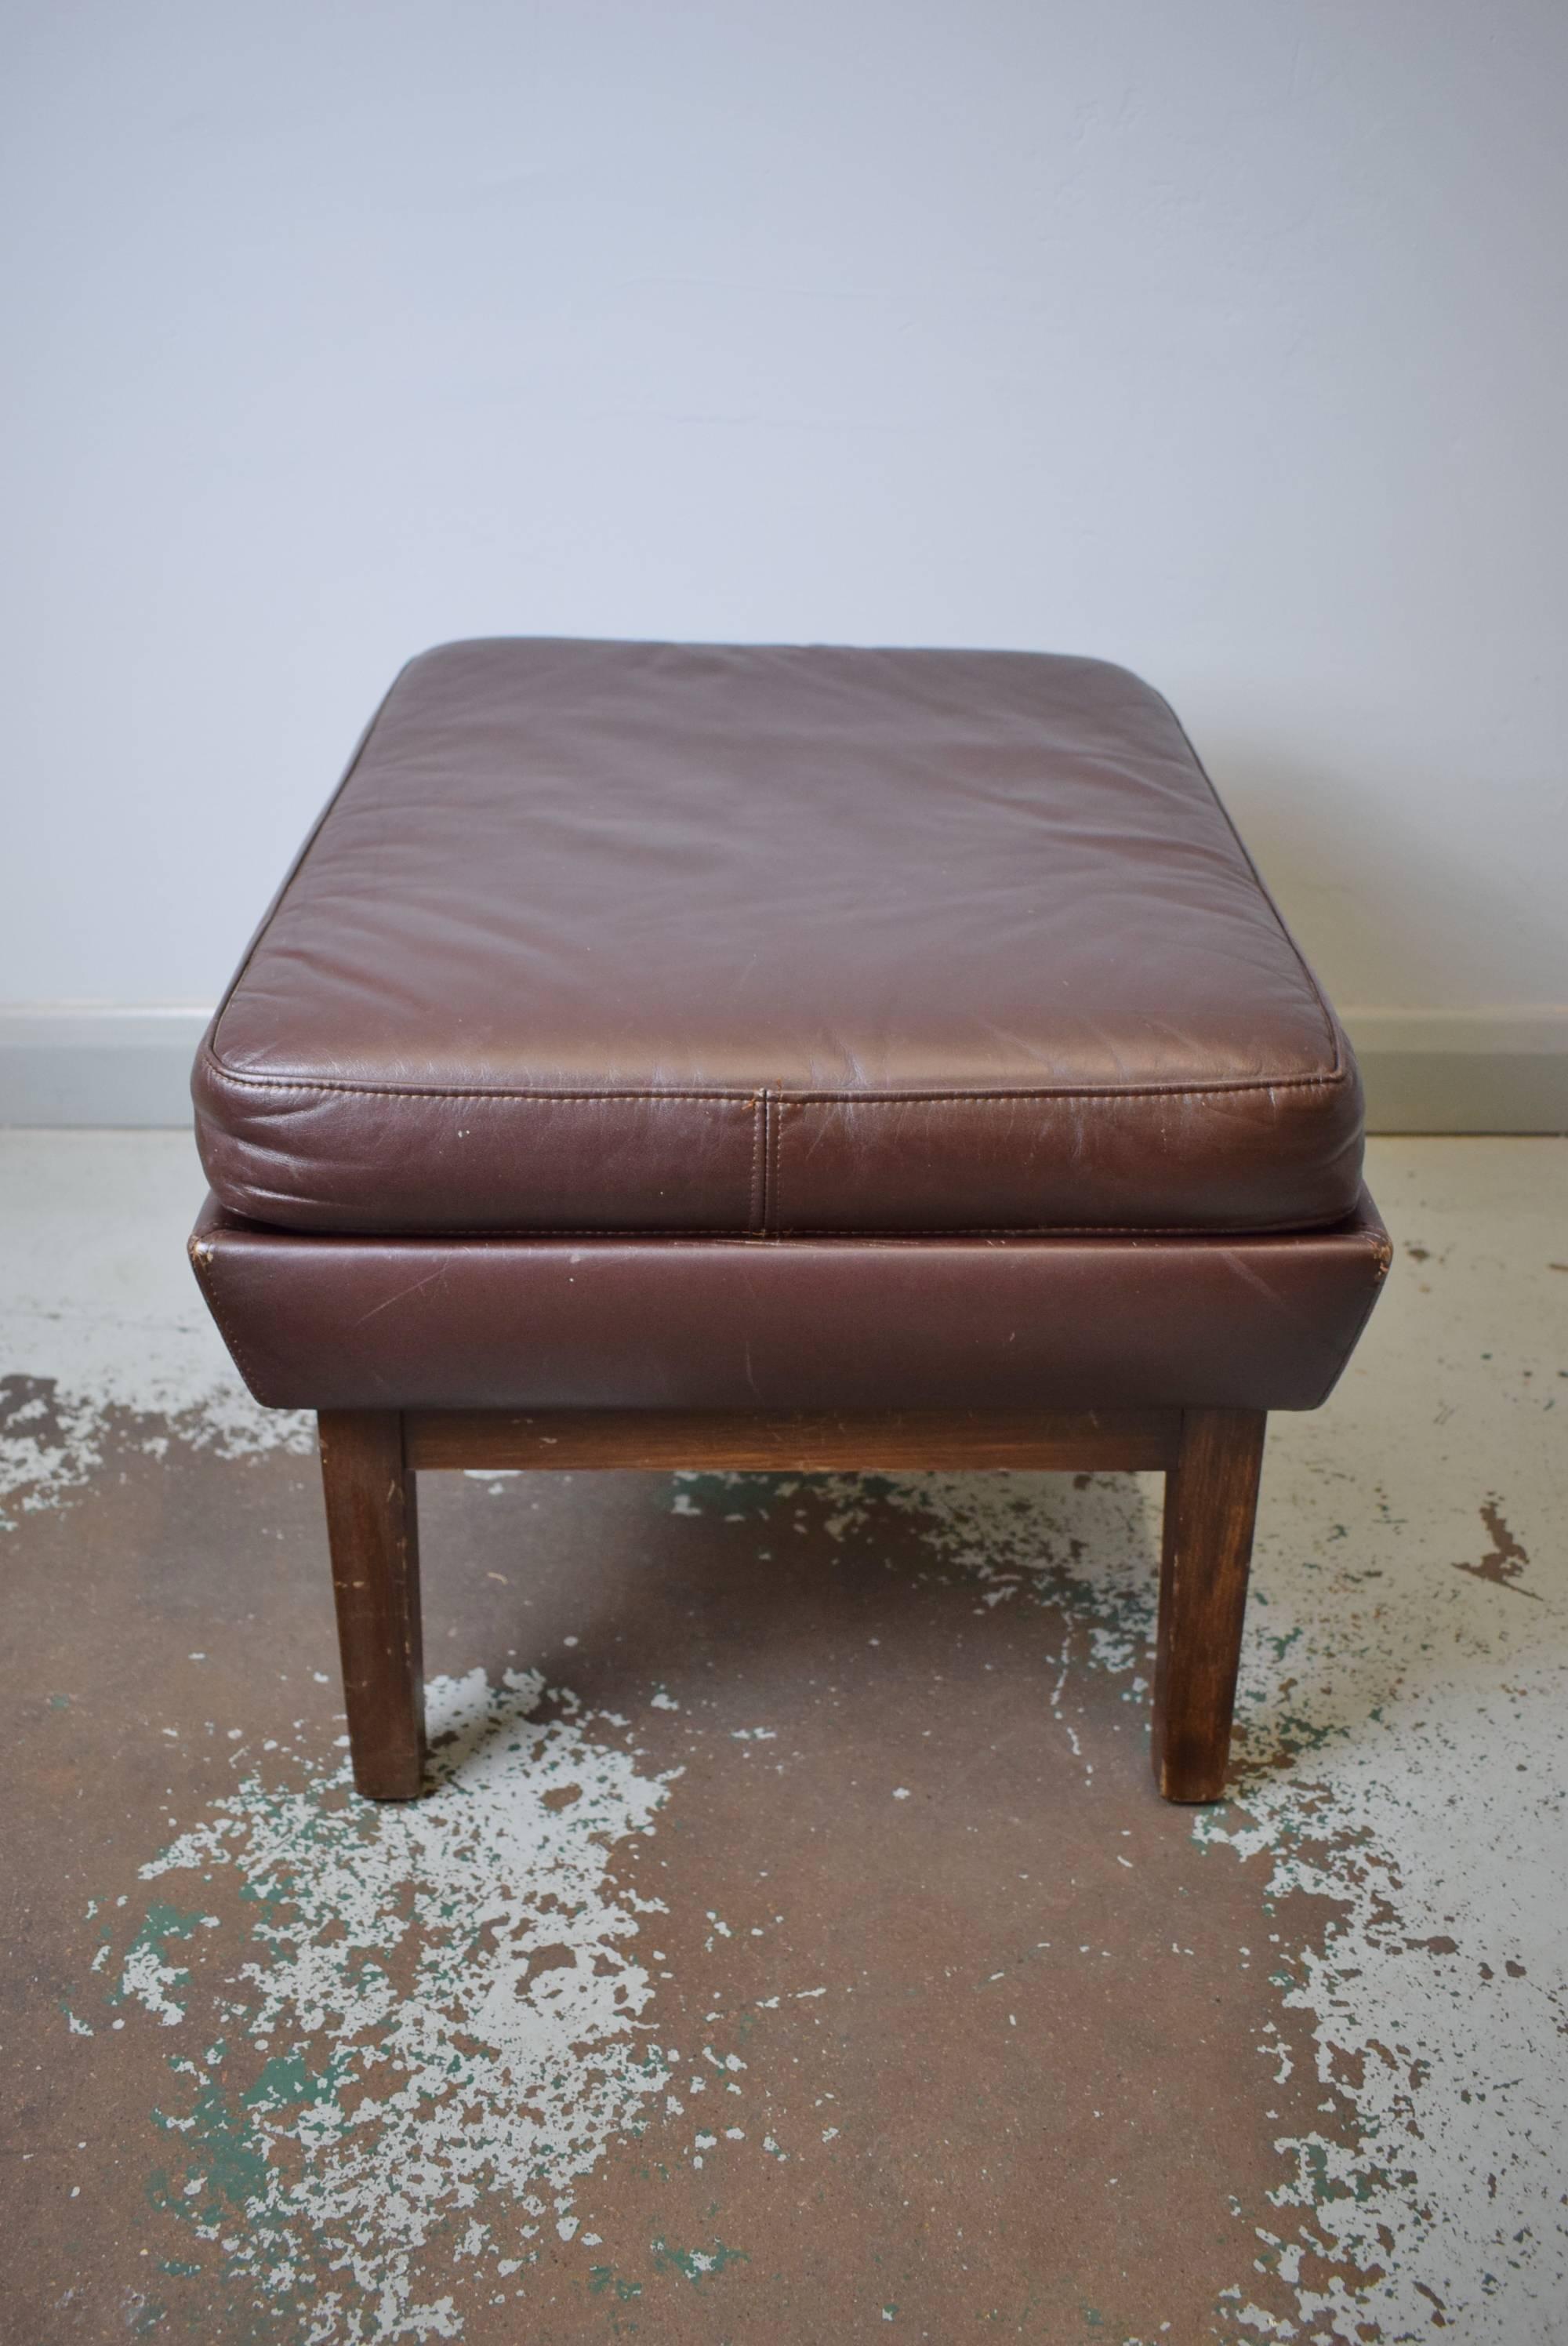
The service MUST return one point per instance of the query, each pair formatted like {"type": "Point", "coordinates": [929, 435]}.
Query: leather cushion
{"type": "Point", "coordinates": [600, 936]}
{"type": "Point", "coordinates": [317, 1321]}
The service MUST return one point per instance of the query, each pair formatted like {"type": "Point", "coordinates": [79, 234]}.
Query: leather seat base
{"type": "Point", "coordinates": [315, 1321]}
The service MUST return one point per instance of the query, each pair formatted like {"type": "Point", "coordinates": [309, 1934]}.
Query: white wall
{"type": "Point", "coordinates": [1226, 339]}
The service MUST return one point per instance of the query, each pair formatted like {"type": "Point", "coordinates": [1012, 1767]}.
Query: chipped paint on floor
{"type": "Point", "coordinates": [438, 2008]}
{"type": "Point", "coordinates": [97, 1326]}
{"type": "Point", "coordinates": [813, 1960]}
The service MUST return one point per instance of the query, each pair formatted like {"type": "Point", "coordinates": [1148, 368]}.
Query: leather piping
{"type": "Point", "coordinates": [804, 1235]}
{"type": "Point", "coordinates": [288, 1083]}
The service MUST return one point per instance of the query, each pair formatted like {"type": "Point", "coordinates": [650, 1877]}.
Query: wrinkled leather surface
{"type": "Point", "coordinates": [655, 938]}
{"type": "Point", "coordinates": [316, 1322]}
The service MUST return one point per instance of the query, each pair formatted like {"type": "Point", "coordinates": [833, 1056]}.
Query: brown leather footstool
{"type": "Point", "coordinates": [685, 1056]}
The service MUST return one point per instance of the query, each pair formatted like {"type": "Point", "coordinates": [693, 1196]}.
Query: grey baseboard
{"type": "Point", "coordinates": [64, 1066]}
{"type": "Point", "coordinates": [1425, 1071]}
{"type": "Point", "coordinates": [1464, 1071]}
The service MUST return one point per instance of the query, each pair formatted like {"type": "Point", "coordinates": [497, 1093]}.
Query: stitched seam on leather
{"type": "Point", "coordinates": [806, 1237]}
{"type": "Point", "coordinates": [1066, 1091]}
{"type": "Point", "coordinates": [794, 1098]}
{"type": "Point", "coordinates": [759, 1130]}
{"type": "Point", "coordinates": [483, 1091]}
{"type": "Point", "coordinates": [760, 1223]}
{"type": "Point", "coordinates": [769, 1181]}
{"type": "Point", "coordinates": [777, 1222]}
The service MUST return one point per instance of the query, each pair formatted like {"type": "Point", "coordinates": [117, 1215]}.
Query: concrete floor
{"type": "Point", "coordinates": [794, 1948]}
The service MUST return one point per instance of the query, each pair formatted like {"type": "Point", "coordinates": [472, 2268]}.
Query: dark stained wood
{"type": "Point", "coordinates": [658, 1439]}
{"type": "Point", "coordinates": [1211, 1500]}
{"type": "Point", "coordinates": [372, 1526]}
{"type": "Point", "coordinates": [1211, 1457]}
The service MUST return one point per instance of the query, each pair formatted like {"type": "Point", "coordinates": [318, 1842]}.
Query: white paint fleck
{"type": "Point", "coordinates": [102, 1309]}
{"type": "Point", "coordinates": [466, 1957]}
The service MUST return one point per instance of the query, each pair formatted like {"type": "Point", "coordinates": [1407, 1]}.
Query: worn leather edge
{"type": "Point", "coordinates": [1360, 1237]}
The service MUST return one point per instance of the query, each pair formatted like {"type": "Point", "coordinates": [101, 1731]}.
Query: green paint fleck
{"type": "Point", "coordinates": [698, 2264]}
{"type": "Point", "coordinates": [164, 1922]}
{"type": "Point", "coordinates": [227, 2150]}
{"type": "Point", "coordinates": [603, 2277]}
{"type": "Point", "coordinates": [286, 2079]}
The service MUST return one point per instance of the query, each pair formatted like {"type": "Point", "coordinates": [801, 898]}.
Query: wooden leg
{"type": "Point", "coordinates": [372, 1527]}
{"type": "Point", "coordinates": [1211, 1498]}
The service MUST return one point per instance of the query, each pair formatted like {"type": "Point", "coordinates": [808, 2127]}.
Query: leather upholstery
{"type": "Point", "coordinates": [646, 938]}
{"type": "Point", "coordinates": [317, 1321]}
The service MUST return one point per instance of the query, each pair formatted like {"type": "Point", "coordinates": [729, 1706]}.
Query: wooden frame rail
{"type": "Point", "coordinates": [802, 1443]}
{"type": "Point", "coordinates": [1210, 1458]}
